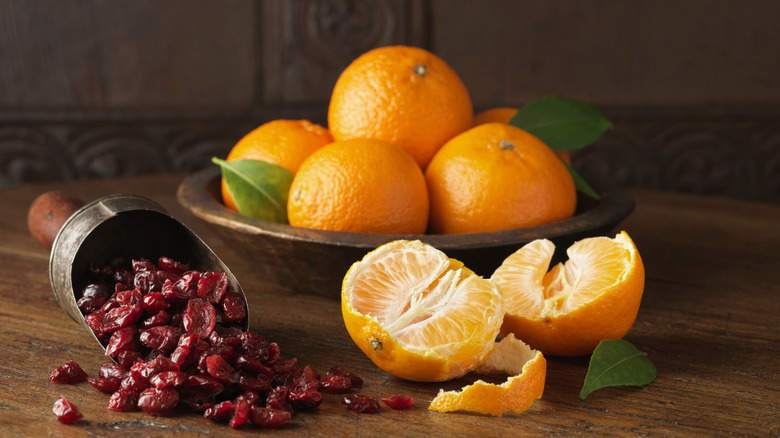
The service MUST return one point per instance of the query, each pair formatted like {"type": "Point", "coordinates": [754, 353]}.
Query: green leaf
{"type": "Point", "coordinates": [580, 183]}
{"type": "Point", "coordinates": [616, 362]}
{"type": "Point", "coordinates": [259, 189]}
{"type": "Point", "coordinates": [562, 123]}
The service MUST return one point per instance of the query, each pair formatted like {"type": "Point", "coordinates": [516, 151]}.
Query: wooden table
{"type": "Point", "coordinates": [709, 320]}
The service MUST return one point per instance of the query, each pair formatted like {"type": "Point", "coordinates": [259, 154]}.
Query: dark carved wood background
{"type": "Point", "coordinates": [100, 88]}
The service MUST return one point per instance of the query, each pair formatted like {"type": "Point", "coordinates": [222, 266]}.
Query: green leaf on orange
{"type": "Point", "coordinates": [562, 123]}
{"type": "Point", "coordinates": [259, 189]}
{"type": "Point", "coordinates": [616, 362]}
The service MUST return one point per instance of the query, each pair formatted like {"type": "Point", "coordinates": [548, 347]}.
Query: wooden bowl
{"type": "Point", "coordinates": [314, 261]}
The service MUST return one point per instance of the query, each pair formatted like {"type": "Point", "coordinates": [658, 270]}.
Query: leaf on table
{"type": "Point", "coordinates": [259, 189]}
{"type": "Point", "coordinates": [562, 123]}
{"type": "Point", "coordinates": [616, 362]}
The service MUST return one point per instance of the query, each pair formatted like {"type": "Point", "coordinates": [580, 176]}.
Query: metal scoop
{"type": "Point", "coordinates": [119, 228]}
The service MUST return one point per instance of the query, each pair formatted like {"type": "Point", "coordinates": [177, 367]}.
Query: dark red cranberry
{"type": "Point", "coordinates": [246, 363]}
{"type": "Point", "coordinates": [251, 396]}
{"type": "Point", "coordinates": [160, 318]}
{"type": "Point", "coordinates": [187, 285]}
{"type": "Point", "coordinates": [277, 399]}
{"type": "Point", "coordinates": [254, 345]}
{"type": "Point", "coordinates": [206, 385]}
{"type": "Point", "coordinates": [124, 277]}
{"type": "Point", "coordinates": [154, 302]}
{"type": "Point", "coordinates": [199, 318]}
{"type": "Point", "coordinates": [398, 401]}
{"type": "Point", "coordinates": [162, 337]}
{"type": "Point", "coordinates": [121, 317]}
{"type": "Point", "coordinates": [68, 373]}
{"type": "Point", "coordinates": [111, 369]}
{"type": "Point", "coordinates": [143, 265]}
{"type": "Point", "coordinates": [259, 383]}
{"type": "Point", "coordinates": [269, 418]}
{"type": "Point", "coordinates": [123, 400]}
{"type": "Point", "coordinates": [306, 399]}
{"type": "Point", "coordinates": [65, 411]}
{"type": "Point", "coordinates": [335, 384]}
{"type": "Point", "coordinates": [155, 401]}
{"type": "Point", "coordinates": [233, 307]}
{"type": "Point", "coordinates": [106, 385]}
{"type": "Point", "coordinates": [170, 265]}
{"type": "Point", "coordinates": [122, 339]}
{"type": "Point", "coordinates": [95, 323]}
{"type": "Point", "coordinates": [357, 382]}
{"type": "Point", "coordinates": [134, 383]}
{"type": "Point", "coordinates": [128, 297]}
{"type": "Point", "coordinates": [97, 289]}
{"type": "Point", "coordinates": [168, 378]}
{"type": "Point", "coordinates": [221, 370]}
{"type": "Point", "coordinates": [359, 403]}
{"type": "Point", "coordinates": [90, 304]}
{"type": "Point", "coordinates": [128, 358]}
{"type": "Point", "coordinates": [240, 413]}
{"type": "Point", "coordinates": [220, 413]}
{"type": "Point", "coordinates": [161, 363]}
{"type": "Point", "coordinates": [212, 286]}
{"type": "Point", "coordinates": [184, 349]}
{"type": "Point", "coordinates": [285, 366]}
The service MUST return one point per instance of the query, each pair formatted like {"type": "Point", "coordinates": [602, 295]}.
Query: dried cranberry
{"type": "Point", "coordinates": [160, 318]}
{"type": "Point", "coordinates": [357, 382]}
{"type": "Point", "coordinates": [286, 366]}
{"type": "Point", "coordinates": [170, 265]}
{"type": "Point", "coordinates": [199, 318]}
{"type": "Point", "coordinates": [148, 281]}
{"type": "Point", "coordinates": [124, 277]}
{"type": "Point", "coordinates": [162, 337]}
{"type": "Point", "coordinates": [269, 418]}
{"type": "Point", "coordinates": [220, 413]}
{"type": "Point", "coordinates": [259, 383]}
{"type": "Point", "coordinates": [128, 358]}
{"type": "Point", "coordinates": [121, 317]}
{"type": "Point", "coordinates": [233, 307]}
{"type": "Point", "coordinates": [254, 345]}
{"type": "Point", "coordinates": [360, 403]}
{"type": "Point", "coordinates": [68, 373]}
{"type": "Point", "coordinates": [90, 304]}
{"type": "Point", "coordinates": [65, 411]}
{"type": "Point", "coordinates": [187, 285]}
{"type": "Point", "coordinates": [143, 265]}
{"type": "Point", "coordinates": [168, 378]}
{"type": "Point", "coordinates": [240, 413]}
{"type": "Point", "coordinates": [122, 339]}
{"type": "Point", "coordinates": [108, 385]}
{"type": "Point", "coordinates": [155, 401]}
{"type": "Point", "coordinates": [277, 399]}
{"type": "Point", "coordinates": [134, 383]}
{"type": "Point", "coordinates": [97, 289]}
{"type": "Point", "coordinates": [221, 370]}
{"type": "Point", "coordinates": [212, 286]}
{"type": "Point", "coordinates": [111, 369]}
{"type": "Point", "coordinates": [184, 349]}
{"type": "Point", "coordinates": [123, 400]}
{"type": "Point", "coordinates": [306, 399]}
{"type": "Point", "coordinates": [128, 297]}
{"type": "Point", "coordinates": [398, 401]}
{"type": "Point", "coordinates": [145, 370]}
{"type": "Point", "coordinates": [95, 323]}
{"type": "Point", "coordinates": [173, 294]}
{"type": "Point", "coordinates": [225, 336]}
{"type": "Point", "coordinates": [154, 302]}
{"type": "Point", "coordinates": [335, 384]}
{"type": "Point", "coordinates": [307, 378]}
{"type": "Point", "coordinates": [203, 385]}
{"type": "Point", "coordinates": [246, 363]}
{"type": "Point", "coordinates": [251, 396]}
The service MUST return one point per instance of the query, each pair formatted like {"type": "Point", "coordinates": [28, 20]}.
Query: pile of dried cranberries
{"type": "Point", "coordinates": [177, 339]}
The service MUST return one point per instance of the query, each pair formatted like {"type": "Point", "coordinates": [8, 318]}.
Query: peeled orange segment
{"type": "Point", "coordinates": [527, 368]}
{"type": "Point", "coordinates": [594, 295]}
{"type": "Point", "coordinates": [418, 314]}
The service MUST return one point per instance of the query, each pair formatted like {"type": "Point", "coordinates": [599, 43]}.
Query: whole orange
{"type": "Point", "coordinates": [285, 143]}
{"type": "Point", "coordinates": [360, 185]}
{"type": "Point", "coordinates": [497, 177]}
{"type": "Point", "coordinates": [504, 114]}
{"type": "Point", "coordinates": [404, 95]}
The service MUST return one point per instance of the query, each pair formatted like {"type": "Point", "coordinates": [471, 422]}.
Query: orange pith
{"type": "Point", "coordinates": [285, 143]}
{"type": "Point", "coordinates": [593, 296]}
{"type": "Point", "coordinates": [504, 115]}
{"type": "Point", "coordinates": [360, 185]}
{"type": "Point", "coordinates": [404, 95]}
{"type": "Point", "coordinates": [497, 177]}
{"type": "Point", "coordinates": [527, 369]}
{"type": "Point", "coordinates": [418, 314]}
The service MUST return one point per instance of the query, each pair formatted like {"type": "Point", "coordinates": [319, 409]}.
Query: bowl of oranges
{"type": "Point", "coordinates": [403, 158]}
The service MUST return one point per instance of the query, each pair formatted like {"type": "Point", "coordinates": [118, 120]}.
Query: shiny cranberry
{"type": "Point", "coordinates": [220, 413]}
{"type": "Point", "coordinates": [162, 337]}
{"type": "Point", "coordinates": [221, 370]}
{"type": "Point", "coordinates": [111, 369]}
{"type": "Point", "coordinates": [154, 302]}
{"type": "Point", "coordinates": [133, 383]}
{"type": "Point", "coordinates": [65, 411]}
{"type": "Point", "coordinates": [97, 289]}
{"type": "Point", "coordinates": [160, 318]}
{"type": "Point", "coordinates": [357, 382]}
{"type": "Point", "coordinates": [143, 265]}
{"type": "Point", "coordinates": [233, 307]}
{"type": "Point", "coordinates": [155, 401]}
{"type": "Point", "coordinates": [128, 297]}
{"type": "Point", "coordinates": [168, 378]}
{"type": "Point", "coordinates": [277, 399]}
{"type": "Point", "coordinates": [306, 399]}
{"type": "Point", "coordinates": [122, 339]}
{"type": "Point", "coordinates": [398, 401]}
{"type": "Point", "coordinates": [212, 286]}
{"type": "Point", "coordinates": [68, 373]}
{"type": "Point", "coordinates": [90, 304]}
{"type": "Point", "coordinates": [107, 385]}
{"type": "Point", "coordinates": [123, 400]}
{"type": "Point", "coordinates": [170, 265]}
{"type": "Point", "coordinates": [121, 317]}
{"type": "Point", "coordinates": [259, 383]}
{"type": "Point", "coordinates": [240, 413]}
{"type": "Point", "coordinates": [360, 403]}
{"type": "Point", "coordinates": [199, 318]}
{"type": "Point", "coordinates": [246, 363]}
{"type": "Point", "coordinates": [269, 418]}
{"type": "Point", "coordinates": [335, 384]}
{"type": "Point", "coordinates": [128, 358]}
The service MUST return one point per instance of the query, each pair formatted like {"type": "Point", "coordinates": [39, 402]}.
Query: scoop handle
{"type": "Point", "coordinates": [48, 212]}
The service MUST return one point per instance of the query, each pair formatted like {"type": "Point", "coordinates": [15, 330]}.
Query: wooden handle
{"type": "Point", "coordinates": [48, 212]}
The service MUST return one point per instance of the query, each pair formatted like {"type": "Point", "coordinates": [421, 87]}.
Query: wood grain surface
{"type": "Point", "coordinates": [709, 321]}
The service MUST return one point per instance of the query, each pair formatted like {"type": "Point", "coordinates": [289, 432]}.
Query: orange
{"type": "Point", "coordinates": [528, 371]}
{"type": "Point", "coordinates": [285, 143]}
{"type": "Point", "coordinates": [497, 177]}
{"type": "Point", "coordinates": [404, 95]}
{"type": "Point", "coordinates": [504, 114]}
{"type": "Point", "coordinates": [593, 296]}
{"type": "Point", "coordinates": [361, 185]}
{"type": "Point", "coordinates": [418, 314]}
